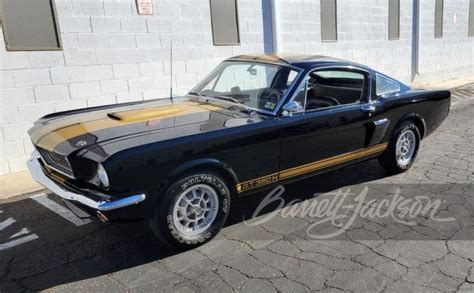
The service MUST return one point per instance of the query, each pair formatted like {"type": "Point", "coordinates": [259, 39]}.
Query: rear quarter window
{"type": "Point", "coordinates": [385, 85]}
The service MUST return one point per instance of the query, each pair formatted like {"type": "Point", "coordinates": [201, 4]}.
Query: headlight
{"type": "Point", "coordinates": [100, 178]}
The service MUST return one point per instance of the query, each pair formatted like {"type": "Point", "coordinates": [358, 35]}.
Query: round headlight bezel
{"type": "Point", "coordinates": [100, 178]}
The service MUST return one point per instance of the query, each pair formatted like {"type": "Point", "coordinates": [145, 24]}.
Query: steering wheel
{"type": "Point", "coordinates": [322, 102]}
{"type": "Point", "coordinates": [269, 95]}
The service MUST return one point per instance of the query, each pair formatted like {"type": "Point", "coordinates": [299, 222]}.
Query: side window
{"type": "Point", "coordinates": [385, 85]}
{"type": "Point", "coordinates": [334, 87]}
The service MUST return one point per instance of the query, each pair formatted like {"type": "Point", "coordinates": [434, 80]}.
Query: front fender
{"type": "Point", "coordinates": [207, 164]}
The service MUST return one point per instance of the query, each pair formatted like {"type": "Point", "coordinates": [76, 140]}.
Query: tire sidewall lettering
{"type": "Point", "coordinates": [222, 193]}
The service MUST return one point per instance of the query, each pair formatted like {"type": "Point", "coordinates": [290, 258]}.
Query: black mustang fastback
{"type": "Point", "coordinates": [253, 123]}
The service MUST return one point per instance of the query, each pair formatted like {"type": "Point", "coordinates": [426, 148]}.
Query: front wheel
{"type": "Point", "coordinates": [192, 211]}
{"type": "Point", "coordinates": [402, 149]}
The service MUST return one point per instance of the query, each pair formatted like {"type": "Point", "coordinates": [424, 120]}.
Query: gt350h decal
{"type": "Point", "coordinates": [307, 168]}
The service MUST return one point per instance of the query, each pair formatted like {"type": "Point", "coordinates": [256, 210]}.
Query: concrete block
{"type": "Point", "coordinates": [141, 84]}
{"type": "Point", "coordinates": [126, 70]}
{"type": "Point", "coordinates": [105, 24]}
{"type": "Point", "coordinates": [9, 115]}
{"type": "Point", "coordinates": [102, 100]}
{"type": "Point", "coordinates": [151, 69]}
{"type": "Point", "coordinates": [35, 111]}
{"type": "Point", "coordinates": [29, 148]}
{"type": "Point", "coordinates": [51, 93]}
{"type": "Point", "coordinates": [186, 80]}
{"type": "Point", "coordinates": [92, 41]}
{"type": "Point", "coordinates": [16, 131]}
{"type": "Point", "coordinates": [118, 41]}
{"type": "Point", "coordinates": [134, 25]}
{"type": "Point", "coordinates": [75, 24]}
{"type": "Point", "coordinates": [158, 25]}
{"type": "Point", "coordinates": [64, 8]}
{"type": "Point", "coordinates": [46, 59]}
{"type": "Point", "coordinates": [118, 86]}
{"type": "Point", "coordinates": [116, 56]}
{"type": "Point", "coordinates": [136, 55]}
{"type": "Point", "coordinates": [118, 9]}
{"type": "Point", "coordinates": [88, 8]}
{"type": "Point", "coordinates": [69, 41]}
{"type": "Point", "coordinates": [6, 79]}
{"type": "Point", "coordinates": [67, 74]}
{"type": "Point", "coordinates": [4, 168]}
{"type": "Point", "coordinates": [195, 65]}
{"type": "Point", "coordinates": [98, 72]}
{"type": "Point", "coordinates": [130, 97]}
{"type": "Point", "coordinates": [151, 40]}
{"type": "Point", "coordinates": [178, 67]}
{"type": "Point", "coordinates": [163, 81]}
{"type": "Point", "coordinates": [80, 57]}
{"type": "Point", "coordinates": [195, 40]}
{"type": "Point", "coordinates": [29, 77]}
{"type": "Point", "coordinates": [110, 56]}
{"type": "Point", "coordinates": [189, 12]}
{"type": "Point", "coordinates": [11, 150]}
{"type": "Point", "coordinates": [18, 164]}
{"type": "Point", "coordinates": [70, 105]}
{"type": "Point", "coordinates": [84, 89]}
{"type": "Point", "coordinates": [156, 94]}
{"type": "Point", "coordinates": [16, 96]}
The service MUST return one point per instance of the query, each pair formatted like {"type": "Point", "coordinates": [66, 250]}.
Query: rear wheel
{"type": "Point", "coordinates": [192, 211]}
{"type": "Point", "coordinates": [402, 149]}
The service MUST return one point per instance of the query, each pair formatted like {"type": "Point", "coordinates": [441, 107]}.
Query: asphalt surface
{"type": "Point", "coordinates": [44, 247]}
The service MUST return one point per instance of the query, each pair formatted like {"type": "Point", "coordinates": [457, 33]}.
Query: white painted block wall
{"type": "Point", "coordinates": [363, 37]}
{"type": "Point", "coordinates": [111, 55]}
{"type": "Point", "coordinates": [451, 56]}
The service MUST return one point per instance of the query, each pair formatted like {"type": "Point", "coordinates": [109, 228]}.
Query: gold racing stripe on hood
{"type": "Point", "coordinates": [49, 136]}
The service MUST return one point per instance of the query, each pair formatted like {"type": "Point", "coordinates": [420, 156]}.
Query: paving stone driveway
{"type": "Point", "coordinates": [278, 255]}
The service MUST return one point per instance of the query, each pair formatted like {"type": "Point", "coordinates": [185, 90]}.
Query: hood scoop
{"type": "Point", "coordinates": [114, 116]}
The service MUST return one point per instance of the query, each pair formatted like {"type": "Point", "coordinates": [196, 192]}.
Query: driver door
{"type": "Point", "coordinates": [325, 132]}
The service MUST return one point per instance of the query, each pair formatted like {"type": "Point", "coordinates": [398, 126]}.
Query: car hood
{"type": "Point", "coordinates": [71, 131]}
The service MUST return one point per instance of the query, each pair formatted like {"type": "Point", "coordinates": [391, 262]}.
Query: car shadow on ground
{"type": "Point", "coordinates": [64, 253]}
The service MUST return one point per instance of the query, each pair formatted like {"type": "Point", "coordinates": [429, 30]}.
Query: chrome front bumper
{"type": "Point", "coordinates": [37, 173]}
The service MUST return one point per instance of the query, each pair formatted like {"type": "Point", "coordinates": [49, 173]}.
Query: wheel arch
{"type": "Point", "coordinates": [417, 119]}
{"type": "Point", "coordinates": [208, 164]}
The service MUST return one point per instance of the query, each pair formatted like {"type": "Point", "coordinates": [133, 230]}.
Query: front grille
{"type": "Point", "coordinates": [56, 161]}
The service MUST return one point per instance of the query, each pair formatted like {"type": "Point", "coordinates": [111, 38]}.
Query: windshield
{"type": "Point", "coordinates": [256, 85]}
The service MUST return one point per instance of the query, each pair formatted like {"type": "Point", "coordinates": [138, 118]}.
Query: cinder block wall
{"type": "Point", "coordinates": [451, 56]}
{"type": "Point", "coordinates": [363, 37]}
{"type": "Point", "coordinates": [111, 55]}
{"type": "Point", "coordinates": [362, 33]}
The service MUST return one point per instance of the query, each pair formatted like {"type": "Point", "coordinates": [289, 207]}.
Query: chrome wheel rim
{"type": "Point", "coordinates": [195, 210]}
{"type": "Point", "coordinates": [405, 147]}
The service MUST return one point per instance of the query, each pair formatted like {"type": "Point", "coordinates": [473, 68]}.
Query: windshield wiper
{"type": "Point", "coordinates": [225, 98]}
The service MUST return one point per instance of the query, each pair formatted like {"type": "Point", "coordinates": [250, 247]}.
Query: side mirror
{"type": "Point", "coordinates": [291, 107]}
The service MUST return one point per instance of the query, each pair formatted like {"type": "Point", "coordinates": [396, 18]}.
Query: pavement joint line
{"type": "Point", "coordinates": [42, 198]}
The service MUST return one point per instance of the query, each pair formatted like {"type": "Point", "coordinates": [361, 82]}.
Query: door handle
{"type": "Point", "coordinates": [368, 109]}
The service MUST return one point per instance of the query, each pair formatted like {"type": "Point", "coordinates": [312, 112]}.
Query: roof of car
{"type": "Point", "coordinates": [295, 59]}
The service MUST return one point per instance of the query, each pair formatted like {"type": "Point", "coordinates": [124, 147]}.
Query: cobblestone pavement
{"type": "Point", "coordinates": [60, 253]}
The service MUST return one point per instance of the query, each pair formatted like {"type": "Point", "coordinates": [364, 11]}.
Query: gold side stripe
{"type": "Point", "coordinates": [307, 168]}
